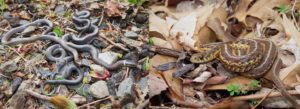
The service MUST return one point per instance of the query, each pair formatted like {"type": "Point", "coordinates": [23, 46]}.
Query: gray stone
{"type": "Point", "coordinates": [60, 10]}
{"type": "Point", "coordinates": [99, 89]}
{"type": "Point", "coordinates": [78, 99]}
{"type": "Point", "coordinates": [9, 66]}
{"type": "Point", "coordinates": [108, 57]}
{"type": "Point", "coordinates": [29, 30]}
{"type": "Point", "coordinates": [131, 34]}
{"type": "Point", "coordinates": [23, 22]}
{"type": "Point", "coordinates": [125, 87]}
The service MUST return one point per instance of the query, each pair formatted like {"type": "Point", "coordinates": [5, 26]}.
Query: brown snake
{"type": "Point", "coordinates": [248, 57]}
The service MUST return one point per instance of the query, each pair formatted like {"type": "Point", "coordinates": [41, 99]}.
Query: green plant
{"type": "Point", "coordinates": [253, 102]}
{"type": "Point", "coordinates": [283, 8]}
{"type": "Point", "coordinates": [235, 89]}
{"type": "Point", "coordinates": [137, 2]}
{"type": "Point", "coordinates": [3, 5]}
{"type": "Point", "coordinates": [150, 41]}
{"type": "Point", "coordinates": [254, 84]}
{"type": "Point", "coordinates": [68, 13]}
{"type": "Point", "coordinates": [58, 31]}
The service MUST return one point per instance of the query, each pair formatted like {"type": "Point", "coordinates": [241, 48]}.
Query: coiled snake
{"type": "Point", "coordinates": [249, 57]}
{"type": "Point", "coordinates": [66, 51]}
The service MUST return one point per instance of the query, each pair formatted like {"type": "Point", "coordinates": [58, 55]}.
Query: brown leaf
{"type": "Point", "coordinates": [174, 84]}
{"type": "Point", "coordinates": [216, 80]}
{"type": "Point", "coordinates": [112, 8]}
{"type": "Point", "coordinates": [156, 85]}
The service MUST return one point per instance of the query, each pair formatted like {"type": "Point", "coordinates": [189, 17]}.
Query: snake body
{"type": "Point", "coordinates": [248, 57]}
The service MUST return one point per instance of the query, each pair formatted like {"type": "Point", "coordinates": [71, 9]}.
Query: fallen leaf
{"type": "Point", "coordinates": [203, 77]}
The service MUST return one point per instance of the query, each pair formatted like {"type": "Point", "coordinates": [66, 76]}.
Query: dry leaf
{"type": "Point", "coordinates": [290, 29]}
{"type": "Point", "coordinates": [174, 84]}
{"type": "Point", "coordinates": [203, 77]}
{"type": "Point", "coordinates": [156, 85]}
{"type": "Point", "coordinates": [288, 75]}
{"type": "Point", "coordinates": [216, 80]}
{"type": "Point", "coordinates": [112, 8]}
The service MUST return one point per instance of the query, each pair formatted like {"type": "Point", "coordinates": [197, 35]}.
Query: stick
{"type": "Point", "coordinates": [258, 96]}
{"type": "Point", "coordinates": [106, 98]}
{"type": "Point", "coordinates": [115, 44]}
{"type": "Point", "coordinates": [37, 95]}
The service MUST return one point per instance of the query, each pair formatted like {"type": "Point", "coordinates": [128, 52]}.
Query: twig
{"type": "Point", "coordinates": [258, 96]}
{"type": "Point", "coordinates": [72, 30]}
{"type": "Point", "coordinates": [112, 42]}
{"type": "Point", "coordinates": [5, 30]}
{"type": "Point", "coordinates": [254, 107]}
{"type": "Point", "coordinates": [293, 15]}
{"type": "Point", "coordinates": [37, 95]}
{"type": "Point", "coordinates": [16, 52]}
{"type": "Point", "coordinates": [106, 98]}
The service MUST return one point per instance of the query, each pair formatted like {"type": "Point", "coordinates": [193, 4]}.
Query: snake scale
{"type": "Point", "coordinates": [67, 48]}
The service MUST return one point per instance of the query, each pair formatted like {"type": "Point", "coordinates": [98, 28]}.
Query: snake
{"type": "Point", "coordinates": [67, 48]}
{"type": "Point", "coordinates": [248, 57]}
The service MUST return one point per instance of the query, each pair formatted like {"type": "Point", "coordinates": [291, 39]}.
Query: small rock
{"type": "Point", "coordinates": [99, 89]}
{"type": "Point", "coordinates": [108, 57]}
{"type": "Point", "coordinates": [141, 18]}
{"type": "Point", "coordinates": [125, 87]}
{"type": "Point", "coordinates": [60, 10]}
{"type": "Point", "coordinates": [13, 20]}
{"type": "Point", "coordinates": [23, 22]}
{"type": "Point", "coordinates": [78, 99]}
{"type": "Point", "coordinates": [131, 34]}
{"type": "Point", "coordinates": [9, 66]}
{"type": "Point", "coordinates": [99, 44]}
{"type": "Point", "coordinates": [29, 30]}
{"type": "Point", "coordinates": [131, 42]}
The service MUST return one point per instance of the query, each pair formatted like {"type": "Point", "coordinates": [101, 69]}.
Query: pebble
{"type": "Point", "coordinates": [23, 22]}
{"type": "Point", "coordinates": [29, 30]}
{"type": "Point", "coordinates": [125, 87]}
{"type": "Point", "coordinates": [131, 34]}
{"type": "Point", "coordinates": [99, 44]}
{"type": "Point", "coordinates": [9, 66]}
{"type": "Point", "coordinates": [99, 89]}
{"type": "Point", "coordinates": [60, 10]}
{"type": "Point", "coordinates": [108, 57]}
{"type": "Point", "coordinates": [78, 99]}
{"type": "Point", "coordinates": [13, 21]}
{"type": "Point", "coordinates": [141, 18]}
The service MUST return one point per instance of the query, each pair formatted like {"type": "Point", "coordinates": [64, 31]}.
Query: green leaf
{"type": "Point", "coordinates": [68, 13]}
{"type": "Point", "coordinates": [234, 89]}
{"type": "Point", "coordinates": [3, 4]}
{"type": "Point", "coordinates": [254, 84]}
{"type": "Point", "coordinates": [150, 41]}
{"type": "Point", "coordinates": [283, 8]}
{"type": "Point", "coordinates": [59, 77]}
{"type": "Point", "coordinates": [85, 80]}
{"type": "Point", "coordinates": [58, 31]}
{"type": "Point", "coordinates": [146, 64]}
{"type": "Point", "coordinates": [137, 2]}
{"type": "Point", "coordinates": [120, 55]}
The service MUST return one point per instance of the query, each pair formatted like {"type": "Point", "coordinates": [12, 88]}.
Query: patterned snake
{"type": "Point", "coordinates": [68, 47]}
{"type": "Point", "coordinates": [249, 57]}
